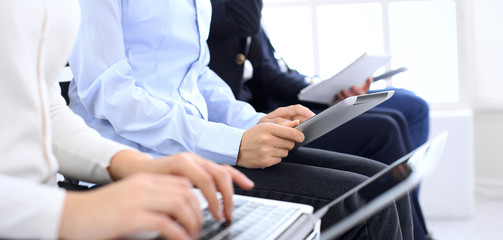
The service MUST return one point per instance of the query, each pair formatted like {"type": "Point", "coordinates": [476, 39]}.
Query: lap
{"type": "Point", "coordinates": [406, 102]}
{"type": "Point", "coordinates": [316, 177]}
{"type": "Point", "coordinates": [311, 176]}
{"type": "Point", "coordinates": [372, 135]}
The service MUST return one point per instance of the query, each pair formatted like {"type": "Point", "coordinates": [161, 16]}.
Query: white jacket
{"type": "Point", "coordinates": [39, 135]}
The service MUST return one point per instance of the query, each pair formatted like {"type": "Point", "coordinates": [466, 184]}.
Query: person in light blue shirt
{"type": "Point", "coordinates": [164, 101]}
{"type": "Point", "coordinates": [141, 78]}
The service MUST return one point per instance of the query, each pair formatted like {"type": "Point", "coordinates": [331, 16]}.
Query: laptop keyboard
{"type": "Point", "coordinates": [251, 220]}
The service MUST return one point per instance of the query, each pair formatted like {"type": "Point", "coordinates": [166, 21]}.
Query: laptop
{"type": "Point", "coordinates": [257, 218]}
{"type": "Point", "coordinates": [339, 114]}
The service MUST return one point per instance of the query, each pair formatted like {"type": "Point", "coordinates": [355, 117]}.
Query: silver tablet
{"type": "Point", "coordinates": [339, 114]}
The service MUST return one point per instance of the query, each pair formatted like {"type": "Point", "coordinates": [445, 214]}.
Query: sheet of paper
{"type": "Point", "coordinates": [354, 74]}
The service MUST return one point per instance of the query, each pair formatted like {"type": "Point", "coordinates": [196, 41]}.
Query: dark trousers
{"type": "Point", "coordinates": [316, 177]}
{"type": "Point", "coordinates": [377, 135]}
{"type": "Point", "coordinates": [381, 134]}
{"type": "Point", "coordinates": [415, 110]}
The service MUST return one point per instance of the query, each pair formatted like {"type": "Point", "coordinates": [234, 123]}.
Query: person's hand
{"type": "Point", "coordinates": [290, 113]}
{"type": "Point", "coordinates": [145, 202]}
{"type": "Point", "coordinates": [265, 144]}
{"type": "Point", "coordinates": [204, 174]}
{"type": "Point", "coordinates": [355, 91]}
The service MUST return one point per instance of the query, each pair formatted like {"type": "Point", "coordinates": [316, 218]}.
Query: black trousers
{"type": "Point", "coordinates": [316, 177]}
{"type": "Point", "coordinates": [381, 134]}
{"type": "Point", "coordinates": [378, 135]}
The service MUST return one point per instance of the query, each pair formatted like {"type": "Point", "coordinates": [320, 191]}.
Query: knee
{"type": "Point", "coordinates": [417, 104]}
{"type": "Point", "coordinates": [421, 106]}
{"type": "Point", "coordinates": [397, 116]}
{"type": "Point", "coordinates": [421, 113]}
{"type": "Point", "coordinates": [388, 126]}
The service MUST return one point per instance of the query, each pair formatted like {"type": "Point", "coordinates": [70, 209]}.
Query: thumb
{"type": "Point", "coordinates": [291, 124]}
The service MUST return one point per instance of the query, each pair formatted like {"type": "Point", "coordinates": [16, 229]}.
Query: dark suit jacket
{"type": "Point", "coordinates": [232, 21]}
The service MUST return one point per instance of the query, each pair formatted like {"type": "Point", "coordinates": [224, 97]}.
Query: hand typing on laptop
{"type": "Point", "coordinates": [158, 197]}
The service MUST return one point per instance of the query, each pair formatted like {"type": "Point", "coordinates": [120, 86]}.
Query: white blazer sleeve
{"type": "Point", "coordinates": [29, 209]}
{"type": "Point", "coordinates": [81, 152]}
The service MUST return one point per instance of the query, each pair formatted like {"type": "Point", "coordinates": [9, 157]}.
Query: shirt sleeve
{"type": "Point", "coordinates": [82, 152]}
{"type": "Point", "coordinates": [37, 210]}
{"type": "Point", "coordinates": [233, 113]}
{"type": "Point", "coordinates": [108, 90]}
{"type": "Point", "coordinates": [222, 105]}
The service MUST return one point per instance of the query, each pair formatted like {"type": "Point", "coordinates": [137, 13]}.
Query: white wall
{"type": "Point", "coordinates": [488, 89]}
{"type": "Point", "coordinates": [488, 142]}
{"type": "Point", "coordinates": [448, 191]}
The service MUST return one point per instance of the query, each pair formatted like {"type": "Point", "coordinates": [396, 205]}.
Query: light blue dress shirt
{"type": "Point", "coordinates": [141, 78]}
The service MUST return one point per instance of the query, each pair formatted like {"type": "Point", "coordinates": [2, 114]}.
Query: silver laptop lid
{"type": "Point", "coordinates": [376, 192]}
{"type": "Point", "coordinates": [380, 190]}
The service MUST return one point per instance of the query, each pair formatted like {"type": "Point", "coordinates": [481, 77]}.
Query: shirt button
{"type": "Point", "coordinates": [240, 58]}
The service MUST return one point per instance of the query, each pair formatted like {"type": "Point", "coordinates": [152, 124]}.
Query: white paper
{"type": "Point", "coordinates": [354, 74]}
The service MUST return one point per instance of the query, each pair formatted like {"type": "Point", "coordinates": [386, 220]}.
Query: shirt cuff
{"type": "Point", "coordinates": [220, 143]}
{"type": "Point", "coordinates": [252, 122]}
{"type": "Point", "coordinates": [89, 161]}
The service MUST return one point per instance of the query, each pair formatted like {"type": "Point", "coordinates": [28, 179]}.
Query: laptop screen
{"type": "Point", "coordinates": [380, 190]}
{"type": "Point", "coordinates": [372, 190]}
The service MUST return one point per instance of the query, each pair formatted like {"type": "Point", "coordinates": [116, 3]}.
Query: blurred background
{"type": "Point", "coordinates": [454, 52]}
